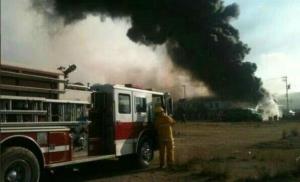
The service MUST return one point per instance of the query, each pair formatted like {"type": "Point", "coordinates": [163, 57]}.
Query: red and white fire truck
{"type": "Point", "coordinates": [46, 122]}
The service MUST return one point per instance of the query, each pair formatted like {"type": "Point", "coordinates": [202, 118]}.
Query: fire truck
{"type": "Point", "coordinates": [47, 122]}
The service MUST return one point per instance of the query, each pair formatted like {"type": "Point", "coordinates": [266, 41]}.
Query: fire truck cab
{"type": "Point", "coordinates": [80, 125]}
{"type": "Point", "coordinates": [125, 114]}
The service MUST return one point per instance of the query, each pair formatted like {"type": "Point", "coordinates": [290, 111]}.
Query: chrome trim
{"type": "Point", "coordinates": [30, 89]}
{"type": "Point", "coordinates": [7, 97]}
{"type": "Point", "coordinates": [31, 129]}
{"type": "Point", "coordinates": [42, 112]}
{"type": "Point", "coordinates": [66, 101]}
{"type": "Point", "coordinates": [31, 76]}
{"type": "Point", "coordinates": [42, 138]}
{"type": "Point", "coordinates": [33, 71]}
{"type": "Point", "coordinates": [59, 148]}
{"type": "Point", "coordinates": [44, 123]}
{"type": "Point", "coordinates": [22, 98]}
{"type": "Point", "coordinates": [122, 87]}
{"type": "Point", "coordinates": [125, 146]}
{"type": "Point", "coordinates": [79, 161]}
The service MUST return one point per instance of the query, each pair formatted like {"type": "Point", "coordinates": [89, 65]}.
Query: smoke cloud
{"type": "Point", "coordinates": [99, 49]}
{"type": "Point", "coordinates": [269, 108]}
{"type": "Point", "coordinates": [197, 34]}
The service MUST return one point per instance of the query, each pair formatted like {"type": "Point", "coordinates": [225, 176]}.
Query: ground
{"type": "Point", "coordinates": [210, 151]}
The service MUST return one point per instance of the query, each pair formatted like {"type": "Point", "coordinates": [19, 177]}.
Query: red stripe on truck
{"type": "Point", "coordinates": [128, 130]}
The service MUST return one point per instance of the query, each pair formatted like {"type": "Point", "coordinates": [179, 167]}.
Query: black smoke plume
{"type": "Point", "coordinates": [198, 36]}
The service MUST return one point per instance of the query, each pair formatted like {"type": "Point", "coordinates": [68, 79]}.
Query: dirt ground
{"type": "Point", "coordinates": [210, 151]}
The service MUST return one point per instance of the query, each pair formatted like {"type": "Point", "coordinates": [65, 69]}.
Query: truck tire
{"type": "Point", "coordinates": [145, 152]}
{"type": "Point", "coordinates": [19, 164]}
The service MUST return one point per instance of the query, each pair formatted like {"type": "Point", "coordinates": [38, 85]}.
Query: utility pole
{"type": "Point", "coordinates": [184, 87]}
{"type": "Point", "coordinates": [287, 87]}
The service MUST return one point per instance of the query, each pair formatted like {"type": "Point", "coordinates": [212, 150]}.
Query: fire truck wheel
{"type": "Point", "coordinates": [145, 152]}
{"type": "Point", "coordinates": [19, 164]}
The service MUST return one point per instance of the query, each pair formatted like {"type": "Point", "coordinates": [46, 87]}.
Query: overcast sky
{"type": "Point", "coordinates": [102, 50]}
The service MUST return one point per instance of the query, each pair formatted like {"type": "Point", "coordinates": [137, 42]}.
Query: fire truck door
{"type": "Point", "coordinates": [101, 130]}
{"type": "Point", "coordinates": [124, 128]}
{"type": "Point", "coordinates": [139, 108]}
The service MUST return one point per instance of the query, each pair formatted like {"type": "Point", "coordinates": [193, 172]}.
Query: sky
{"type": "Point", "coordinates": [271, 29]}
{"type": "Point", "coordinates": [103, 52]}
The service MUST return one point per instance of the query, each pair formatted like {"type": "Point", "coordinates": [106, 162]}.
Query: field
{"type": "Point", "coordinates": [212, 151]}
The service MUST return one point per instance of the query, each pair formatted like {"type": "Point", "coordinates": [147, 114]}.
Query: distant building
{"type": "Point", "coordinates": [203, 108]}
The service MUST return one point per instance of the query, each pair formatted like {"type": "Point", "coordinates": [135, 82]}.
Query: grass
{"type": "Point", "coordinates": [215, 151]}
{"type": "Point", "coordinates": [282, 173]}
{"type": "Point", "coordinates": [237, 151]}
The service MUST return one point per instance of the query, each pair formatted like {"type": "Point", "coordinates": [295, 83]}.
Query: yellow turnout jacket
{"type": "Point", "coordinates": [163, 126]}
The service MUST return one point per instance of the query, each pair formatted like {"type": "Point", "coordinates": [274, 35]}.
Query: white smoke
{"type": "Point", "coordinates": [269, 108]}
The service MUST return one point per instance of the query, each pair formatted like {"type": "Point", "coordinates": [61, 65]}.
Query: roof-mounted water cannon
{"type": "Point", "coordinates": [67, 71]}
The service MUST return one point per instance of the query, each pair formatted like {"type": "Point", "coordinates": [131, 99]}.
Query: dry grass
{"type": "Point", "coordinates": [237, 151]}
{"type": "Point", "coordinates": [215, 151]}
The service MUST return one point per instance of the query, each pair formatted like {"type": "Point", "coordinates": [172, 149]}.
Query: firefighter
{"type": "Point", "coordinates": [163, 125]}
